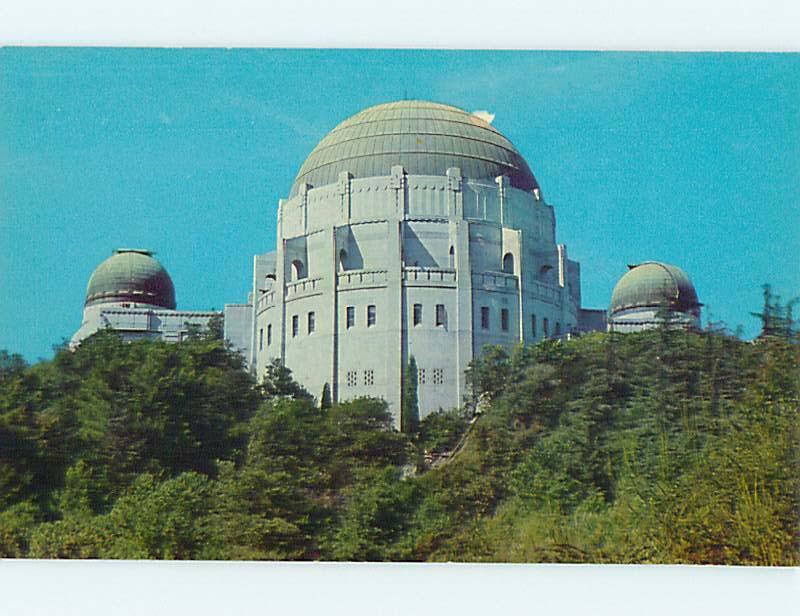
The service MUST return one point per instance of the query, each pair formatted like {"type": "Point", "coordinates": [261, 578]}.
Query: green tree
{"type": "Point", "coordinates": [325, 398]}
{"type": "Point", "coordinates": [409, 415]}
{"type": "Point", "coordinates": [278, 383]}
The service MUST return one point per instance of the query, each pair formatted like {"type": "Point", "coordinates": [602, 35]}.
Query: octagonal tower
{"type": "Point", "coordinates": [413, 228]}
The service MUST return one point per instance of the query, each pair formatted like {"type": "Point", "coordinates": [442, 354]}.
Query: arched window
{"type": "Point", "coordinates": [452, 261]}
{"type": "Point", "coordinates": [508, 263]}
{"type": "Point", "coordinates": [342, 260]}
{"type": "Point", "coordinates": [298, 270]}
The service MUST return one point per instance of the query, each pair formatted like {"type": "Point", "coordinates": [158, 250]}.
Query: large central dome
{"type": "Point", "coordinates": [426, 138]}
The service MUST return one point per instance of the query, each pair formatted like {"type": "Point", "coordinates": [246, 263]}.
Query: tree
{"type": "Point", "coordinates": [776, 319]}
{"type": "Point", "coordinates": [325, 398]}
{"type": "Point", "coordinates": [488, 373]}
{"type": "Point", "coordinates": [215, 328]}
{"type": "Point", "coordinates": [278, 383]}
{"type": "Point", "coordinates": [409, 415]}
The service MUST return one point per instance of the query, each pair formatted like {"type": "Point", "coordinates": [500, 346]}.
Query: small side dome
{"type": "Point", "coordinates": [655, 285]}
{"type": "Point", "coordinates": [131, 275]}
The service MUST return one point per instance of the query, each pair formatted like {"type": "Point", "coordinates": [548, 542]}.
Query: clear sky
{"type": "Point", "coordinates": [691, 159]}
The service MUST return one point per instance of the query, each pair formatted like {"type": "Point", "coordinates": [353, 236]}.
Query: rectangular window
{"type": "Point", "coordinates": [441, 316]}
{"type": "Point", "coordinates": [558, 328]}
{"type": "Point", "coordinates": [295, 326]}
{"type": "Point", "coordinates": [370, 315]}
{"type": "Point", "coordinates": [420, 376]}
{"type": "Point", "coordinates": [484, 317]}
{"type": "Point", "coordinates": [533, 325]}
{"type": "Point", "coordinates": [546, 328]}
{"type": "Point", "coordinates": [352, 378]}
{"type": "Point", "coordinates": [504, 319]}
{"type": "Point", "coordinates": [369, 377]}
{"type": "Point", "coordinates": [269, 334]}
{"type": "Point", "coordinates": [438, 376]}
{"type": "Point", "coordinates": [311, 322]}
{"type": "Point", "coordinates": [417, 314]}
{"type": "Point", "coordinates": [351, 316]}
{"type": "Point", "coordinates": [261, 339]}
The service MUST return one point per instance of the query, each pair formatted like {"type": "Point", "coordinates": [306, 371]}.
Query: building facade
{"type": "Point", "coordinates": [412, 229]}
{"type": "Point", "coordinates": [132, 293]}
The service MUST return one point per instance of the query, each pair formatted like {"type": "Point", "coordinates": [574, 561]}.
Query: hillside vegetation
{"type": "Point", "coordinates": [658, 447]}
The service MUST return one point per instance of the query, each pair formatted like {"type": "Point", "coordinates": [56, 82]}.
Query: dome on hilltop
{"type": "Point", "coordinates": [654, 285]}
{"type": "Point", "coordinates": [425, 138]}
{"type": "Point", "coordinates": [131, 275]}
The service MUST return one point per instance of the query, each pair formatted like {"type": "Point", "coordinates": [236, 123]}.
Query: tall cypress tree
{"type": "Point", "coordinates": [325, 400]}
{"type": "Point", "coordinates": [409, 418]}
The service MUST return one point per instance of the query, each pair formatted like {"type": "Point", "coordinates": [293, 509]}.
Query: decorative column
{"type": "Point", "coordinates": [459, 239]}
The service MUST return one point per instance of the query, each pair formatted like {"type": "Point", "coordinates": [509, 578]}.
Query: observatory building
{"type": "Point", "coordinates": [650, 294]}
{"type": "Point", "coordinates": [133, 294]}
{"type": "Point", "coordinates": [412, 229]}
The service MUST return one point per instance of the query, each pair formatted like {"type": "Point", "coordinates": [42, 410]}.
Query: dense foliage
{"type": "Point", "coordinates": [658, 447]}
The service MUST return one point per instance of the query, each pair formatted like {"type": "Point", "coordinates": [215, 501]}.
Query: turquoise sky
{"type": "Point", "coordinates": [692, 159]}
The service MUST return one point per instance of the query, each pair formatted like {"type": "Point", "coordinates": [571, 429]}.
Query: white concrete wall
{"type": "Point", "coordinates": [133, 320]}
{"type": "Point", "coordinates": [396, 233]}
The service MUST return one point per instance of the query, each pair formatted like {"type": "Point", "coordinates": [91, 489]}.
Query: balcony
{"type": "Point", "coordinates": [303, 288]}
{"type": "Point", "coordinates": [429, 276]}
{"type": "Point", "coordinates": [360, 279]}
{"type": "Point", "coordinates": [494, 281]}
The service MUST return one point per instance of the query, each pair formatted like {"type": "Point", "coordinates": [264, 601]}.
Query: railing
{"type": "Point", "coordinates": [429, 275]}
{"type": "Point", "coordinates": [265, 300]}
{"type": "Point", "coordinates": [544, 292]}
{"type": "Point", "coordinates": [495, 281]}
{"type": "Point", "coordinates": [304, 286]}
{"type": "Point", "coordinates": [361, 278]}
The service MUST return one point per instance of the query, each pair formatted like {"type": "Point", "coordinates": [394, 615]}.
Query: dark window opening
{"type": "Point", "coordinates": [417, 316]}
{"type": "Point", "coordinates": [484, 317]}
{"type": "Point", "coordinates": [312, 322]}
{"type": "Point", "coordinates": [371, 316]}
{"type": "Point", "coordinates": [441, 315]}
{"type": "Point", "coordinates": [298, 270]}
{"type": "Point", "coordinates": [508, 263]}
{"type": "Point", "coordinates": [351, 316]}
{"type": "Point", "coordinates": [504, 319]}
{"type": "Point", "coordinates": [295, 326]}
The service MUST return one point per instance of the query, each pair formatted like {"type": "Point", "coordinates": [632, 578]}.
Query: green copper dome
{"type": "Point", "coordinates": [425, 138]}
{"type": "Point", "coordinates": [131, 275]}
{"type": "Point", "coordinates": [655, 285]}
